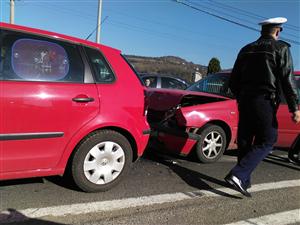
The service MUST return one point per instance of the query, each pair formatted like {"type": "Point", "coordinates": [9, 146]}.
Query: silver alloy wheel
{"type": "Point", "coordinates": [104, 162]}
{"type": "Point", "coordinates": [212, 144]}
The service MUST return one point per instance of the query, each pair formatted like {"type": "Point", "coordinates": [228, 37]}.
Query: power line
{"type": "Point", "coordinates": [238, 18]}
{"type": "Point", "coordinates": [96, 28]}
{"type": "Point", "coordinates": [223, 13]}
{"type": "Point", "coordinates": [79, 13]}
{"type": "Point", "coordinates": [236, 10]}
{"type": "Point", "coordinates": [89, 17]}
{"type": "Point", "coordinates": [215, 15]}
{"type": "Point", "coordinates": [116, 23]}
{"type": "Point", "coordinates": [249, 14]}
{"type": "Point", "coordinates": [228, 20]}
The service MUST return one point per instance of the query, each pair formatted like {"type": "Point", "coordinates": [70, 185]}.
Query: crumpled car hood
{"type": "Point", "coordinates": [165, 99]}
{"type": "Point", "coordinates": [162, 103]}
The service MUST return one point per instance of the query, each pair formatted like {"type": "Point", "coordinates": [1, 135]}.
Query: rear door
{"type": "Point", "coordinates": [288, 130]}
{"type": "Point", "coordinates": [44, 100]}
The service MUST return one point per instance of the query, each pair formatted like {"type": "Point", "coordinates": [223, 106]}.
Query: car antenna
{"type": "Point", "coordinates": [96, 28]}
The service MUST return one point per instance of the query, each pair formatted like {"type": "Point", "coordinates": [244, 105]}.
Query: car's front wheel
{"type": "Point", "coordinates": [212, 144]}
{"type": "Point", "coordinates": [101, 160]}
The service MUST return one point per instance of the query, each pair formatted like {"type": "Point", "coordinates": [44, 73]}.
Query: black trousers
{"type": "Point", "coordinates": [257, 133]}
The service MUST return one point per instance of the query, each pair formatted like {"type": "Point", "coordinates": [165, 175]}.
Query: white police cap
{"type": "Point", "coordinates": [277, 21]}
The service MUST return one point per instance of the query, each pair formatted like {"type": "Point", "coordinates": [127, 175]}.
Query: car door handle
{"type": "Point", "coordinates": [83, 99]}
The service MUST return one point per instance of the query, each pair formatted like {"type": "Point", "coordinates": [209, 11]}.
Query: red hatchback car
{"type": "Point", "coordinates": [204, 119]}
{"type": "Point", "coordinates": [67, 103]}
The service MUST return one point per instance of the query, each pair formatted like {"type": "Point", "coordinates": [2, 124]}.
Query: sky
{"type": "Point", "coordinates": [216, 28]}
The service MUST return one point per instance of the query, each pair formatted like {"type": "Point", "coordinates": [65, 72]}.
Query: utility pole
{"type": "Point", "coordinates": [12, 11]}
{"type": "Point", "coordinates": [99, 21]}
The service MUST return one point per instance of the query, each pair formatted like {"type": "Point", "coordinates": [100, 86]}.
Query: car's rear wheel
{"type": "Point", "coordinates": [101, 161]}
{"type": "Point", "coordinates": [212, 144]}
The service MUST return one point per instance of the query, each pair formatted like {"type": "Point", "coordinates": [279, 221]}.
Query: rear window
{"type": "Point", "coordinates": [26, 57]}
{"type": "Point", "coordinates": [34, 59]}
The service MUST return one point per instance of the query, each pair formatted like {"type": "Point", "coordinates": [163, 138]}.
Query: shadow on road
{"type": "Point", "coordinates": [12, 216]}
{"type": "Point", "coordinates": [281, 161]}
{"type": "Point", "coordinates": [21, 181]}
{"type": "Point", "coordinates": [65, 182]}
{"type": "Point", "coordinates": [274, 158]}
{"type": "Point", "coordinates": [191, 177]}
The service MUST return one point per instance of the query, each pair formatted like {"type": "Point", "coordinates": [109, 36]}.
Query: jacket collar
{"type": "Point", "coordinates": [266, 37]}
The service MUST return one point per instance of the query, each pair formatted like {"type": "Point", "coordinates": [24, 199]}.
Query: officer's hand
{"type": "Point", "coordinates": [296, 116]}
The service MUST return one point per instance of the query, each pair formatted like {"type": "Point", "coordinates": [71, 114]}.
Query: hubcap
{"type": "Point", "coordinates": [212, 145]}
{"type": "Point", "coordinates": [104, 162]}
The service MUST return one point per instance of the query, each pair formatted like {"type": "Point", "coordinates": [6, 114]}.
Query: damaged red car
{"type": "Point", "coordinates": [67, 107]}
{"type": "Point", "coordinates": [204, 119]}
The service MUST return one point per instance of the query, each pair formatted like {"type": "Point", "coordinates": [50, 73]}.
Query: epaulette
{"type": "Point", "coordinates": [285, 43]}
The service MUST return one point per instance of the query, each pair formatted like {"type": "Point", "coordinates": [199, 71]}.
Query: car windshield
{"type": "Point", "coordinates": [213, 84]}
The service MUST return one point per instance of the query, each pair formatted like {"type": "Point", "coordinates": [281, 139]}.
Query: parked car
{"type": "Point", "coordinates": [67, 105]}
{"type": "Point", "coordinates": [163, 81]}
{"type": "Point", "coordinates": [204, 119]}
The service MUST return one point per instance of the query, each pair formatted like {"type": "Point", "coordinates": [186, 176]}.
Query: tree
{"type": "Point", "coordinates": [213, 66]}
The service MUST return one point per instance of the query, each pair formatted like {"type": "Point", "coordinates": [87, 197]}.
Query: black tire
{"type": "Point", "coordinates": [101, 161]}
{"type": "Point", "coordinates": [209, 153]}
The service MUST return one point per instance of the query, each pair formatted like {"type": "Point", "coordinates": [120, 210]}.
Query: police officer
{"type": "Point", "coordinates": [261, 70]}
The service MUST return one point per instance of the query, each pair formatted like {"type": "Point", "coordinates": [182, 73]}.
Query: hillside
{"type": "Point", "coordinates": [168, 65]}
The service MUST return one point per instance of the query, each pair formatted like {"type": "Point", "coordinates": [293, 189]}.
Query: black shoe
{"type": "Point", "coordinates": [237, 184]}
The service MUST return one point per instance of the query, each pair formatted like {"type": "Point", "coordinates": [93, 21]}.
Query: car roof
{"type": "Point", "coordinates": [56, 36]}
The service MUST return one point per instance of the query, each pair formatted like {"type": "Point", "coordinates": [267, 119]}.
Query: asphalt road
{"type": "Point", "coordinates": [195, 194]}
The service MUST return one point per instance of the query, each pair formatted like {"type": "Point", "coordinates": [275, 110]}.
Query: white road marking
{"type": "Point", "coordinates": [283, 218]}
{"type": "Point", "coordinates": [113, 205]}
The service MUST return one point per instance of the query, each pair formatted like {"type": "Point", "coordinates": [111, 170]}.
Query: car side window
{"type": "Point", "coordinates": [150, 81]}
{"type": "Point", "coordinates": [171, 83]}
{"type": "Point", "coordinates": [34, 58]}
{"type": "Point", "coordinates": [102, 71]}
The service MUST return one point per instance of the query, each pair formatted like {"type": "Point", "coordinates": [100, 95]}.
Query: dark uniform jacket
{"type": "Point", "coordinates": [265, 66]}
